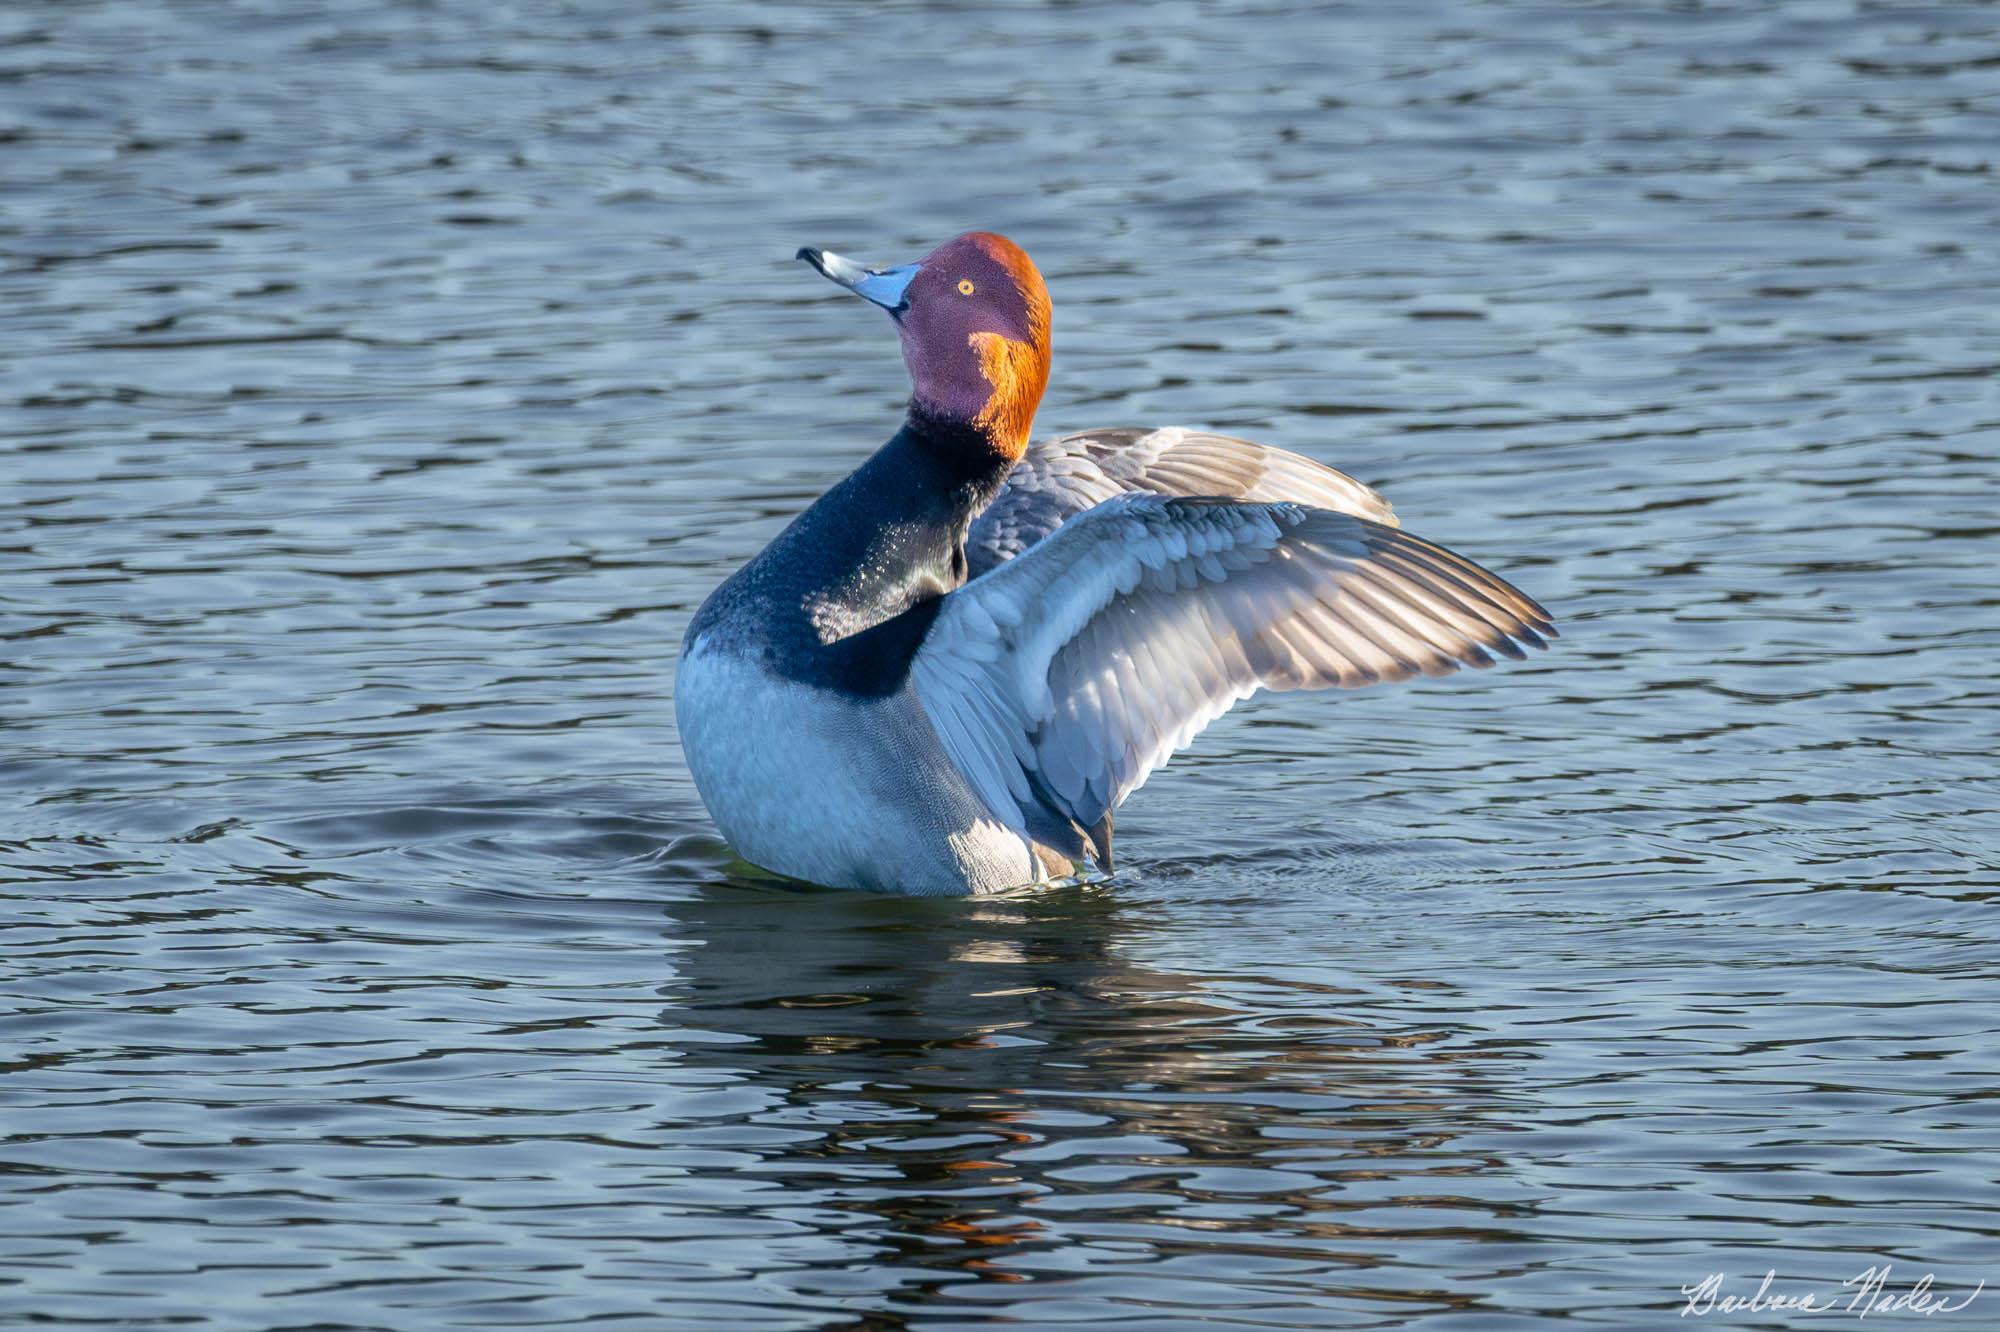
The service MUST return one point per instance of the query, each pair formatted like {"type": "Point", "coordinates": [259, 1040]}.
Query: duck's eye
{"type": "Point", "coordinates": [965, 287]}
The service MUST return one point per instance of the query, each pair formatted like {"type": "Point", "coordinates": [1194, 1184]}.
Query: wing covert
{"type": "Point", "coordinates": [1065, 475]}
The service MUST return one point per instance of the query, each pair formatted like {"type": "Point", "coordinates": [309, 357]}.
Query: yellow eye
{"type": "Point", "coordinates": [965, 286]}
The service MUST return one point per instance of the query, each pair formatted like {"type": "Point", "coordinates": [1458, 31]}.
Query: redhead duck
{"type": "Point", "coordinates": [948, 672]}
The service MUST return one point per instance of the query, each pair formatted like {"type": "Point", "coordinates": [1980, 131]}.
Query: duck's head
{"type": "Point", "coordinates": [974, 317]}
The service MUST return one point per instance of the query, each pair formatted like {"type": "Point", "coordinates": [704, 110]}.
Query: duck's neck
{"type": "Point", "coordinates": [915, 499]}
{"type": "Point", "coordinates": [889, 536]}
{"type": "Point", "coordinates": [980, 446]}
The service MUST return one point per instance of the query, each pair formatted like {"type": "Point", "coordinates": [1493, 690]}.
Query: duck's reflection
{"type": "Point", "coordinates": [982, 1075]}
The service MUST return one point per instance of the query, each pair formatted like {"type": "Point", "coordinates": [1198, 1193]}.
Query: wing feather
{"type": "Point", "coordinates": [1061, 678]}
{"type": "Point", "coordinates": [1068, 474]}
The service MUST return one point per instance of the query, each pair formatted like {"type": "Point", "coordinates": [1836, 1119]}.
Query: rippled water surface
{"type": "Point", "coordinates": [385, 385]}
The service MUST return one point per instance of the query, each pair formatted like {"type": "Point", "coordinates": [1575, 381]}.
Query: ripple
{"type": "Point", "coordinates": [367, 952]}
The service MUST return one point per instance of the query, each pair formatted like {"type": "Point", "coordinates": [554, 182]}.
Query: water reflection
{"type": "Point", "coordinates": [996, 1083]}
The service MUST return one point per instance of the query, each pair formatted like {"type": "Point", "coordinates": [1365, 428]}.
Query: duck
{"type": "Point", "coordinates": [949, 671]}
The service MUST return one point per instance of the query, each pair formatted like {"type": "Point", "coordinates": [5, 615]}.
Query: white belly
{"type": "Point", "coordinates": [849, 794]}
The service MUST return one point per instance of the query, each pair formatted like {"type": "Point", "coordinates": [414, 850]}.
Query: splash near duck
{"type": "Point", "coordinates": [947, 673]}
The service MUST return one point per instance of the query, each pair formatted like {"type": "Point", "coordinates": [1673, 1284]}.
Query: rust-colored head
{"type": "Point", "coordinates": [974, 318]}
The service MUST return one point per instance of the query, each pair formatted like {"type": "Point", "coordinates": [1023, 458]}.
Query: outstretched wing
{"type": "Point", "coordinates": [1062, 477]}
{"type": "Point", "coordinates": [1060, 679]}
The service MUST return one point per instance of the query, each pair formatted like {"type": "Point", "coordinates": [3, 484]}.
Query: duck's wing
{"type": "Point", "coordinates": [1063, 677]}
{"type": "Point", "coordinates": [1061, 477]}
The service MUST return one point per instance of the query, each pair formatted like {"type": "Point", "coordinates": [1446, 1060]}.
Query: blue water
{"type": "Point", "coordinates": [384, 385]}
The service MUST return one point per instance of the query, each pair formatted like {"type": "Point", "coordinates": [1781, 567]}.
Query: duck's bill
{"type": "Point", "coordinates": [886, 287]}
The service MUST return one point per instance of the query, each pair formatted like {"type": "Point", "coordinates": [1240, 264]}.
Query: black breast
{"type": "Point", "coordinates": [842, 599]}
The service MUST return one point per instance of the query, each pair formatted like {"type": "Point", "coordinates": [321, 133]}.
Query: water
{"type": "Point", "coordinates": [385, 385]}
